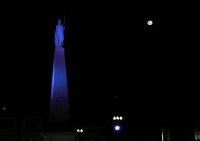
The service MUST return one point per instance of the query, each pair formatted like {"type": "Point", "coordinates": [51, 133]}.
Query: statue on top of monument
{"type": "Point", "coordinates": [59, 34]}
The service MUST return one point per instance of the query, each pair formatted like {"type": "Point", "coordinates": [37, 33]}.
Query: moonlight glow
{"type": "Point", "coordinates": [150, 22]}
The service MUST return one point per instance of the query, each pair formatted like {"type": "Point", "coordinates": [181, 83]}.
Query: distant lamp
{"type": "Point", "coordinates": [117, 128]}
{"type": "Point", "coordinates": [117, 118]}
{"type": "Point", "coordinates": [79, 130]}
{"type": "Point", "coordinates": [149, 22]}
{"type": "Point", "coordinates": [4, 108]}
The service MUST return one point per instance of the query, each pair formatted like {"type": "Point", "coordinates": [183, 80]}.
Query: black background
{"type": "Point", "coordinates": [110, 51]}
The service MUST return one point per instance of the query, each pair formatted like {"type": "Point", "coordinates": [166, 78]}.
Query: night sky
{"type": "Point", "coordinates": [110, 51]}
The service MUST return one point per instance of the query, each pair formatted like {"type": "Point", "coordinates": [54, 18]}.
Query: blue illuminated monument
{"type": "Point", "coordinates": [59, 110]}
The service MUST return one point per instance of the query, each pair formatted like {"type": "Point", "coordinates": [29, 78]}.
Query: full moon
{"type": "Point", "coordinates": [150, 22]}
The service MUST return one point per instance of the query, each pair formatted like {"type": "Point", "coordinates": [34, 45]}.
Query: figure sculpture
{"type": "Point", "coordinates": [59, 34]}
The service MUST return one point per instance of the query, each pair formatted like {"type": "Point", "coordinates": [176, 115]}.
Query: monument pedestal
{"type": "Point", "coordinates": [59, 110]}
{"type": "Point", "coordinates": [58, 136]}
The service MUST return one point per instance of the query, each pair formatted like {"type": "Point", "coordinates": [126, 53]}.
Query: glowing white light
{"type": "Point", "coordinates": [81, 130]}
{"type": "Point", "coordinates": [150, 22]}
{"type": "Point", "coordinates": [117, 118]}
{"type": "Point", "coordinates": [117, 128]}
{"type": "Point", "coordinates": [120, 118]}
{"type": "Point", "coordinates": [114, 118]}
{"type": "Point", "coordinates": [78, 130]}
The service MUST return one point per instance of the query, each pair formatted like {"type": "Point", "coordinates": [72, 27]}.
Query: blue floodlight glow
{"type": "Point", "coordinates": [59, 88]}
{"type": "Point", "coordinates": [117, 127]}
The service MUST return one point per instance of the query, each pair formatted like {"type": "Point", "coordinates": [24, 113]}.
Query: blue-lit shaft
{"type": "Point", "coordinates": [59, 110]}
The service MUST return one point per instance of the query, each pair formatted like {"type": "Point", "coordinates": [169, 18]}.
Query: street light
{"type": "Point", "coordinates": [162, 134]}
{"type": "Point", "coordinates": [117, 118]}
{"type": "Point", "coordinates": [117, 128]}
{"type": "Point", "coordinates": [79, 130]}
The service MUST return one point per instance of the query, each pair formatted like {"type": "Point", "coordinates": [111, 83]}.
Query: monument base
{"type": "Point", "coordinates": [58, 136]}
{"type": "Point", "coordinates": [59, 110]}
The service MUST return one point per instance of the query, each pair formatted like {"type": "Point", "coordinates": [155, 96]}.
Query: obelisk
{"type": "Point", "coordinates": [59, 108]}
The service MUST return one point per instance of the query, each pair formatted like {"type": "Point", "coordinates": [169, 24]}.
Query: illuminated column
{"type": "Point", "coordinates": [59, 110]}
